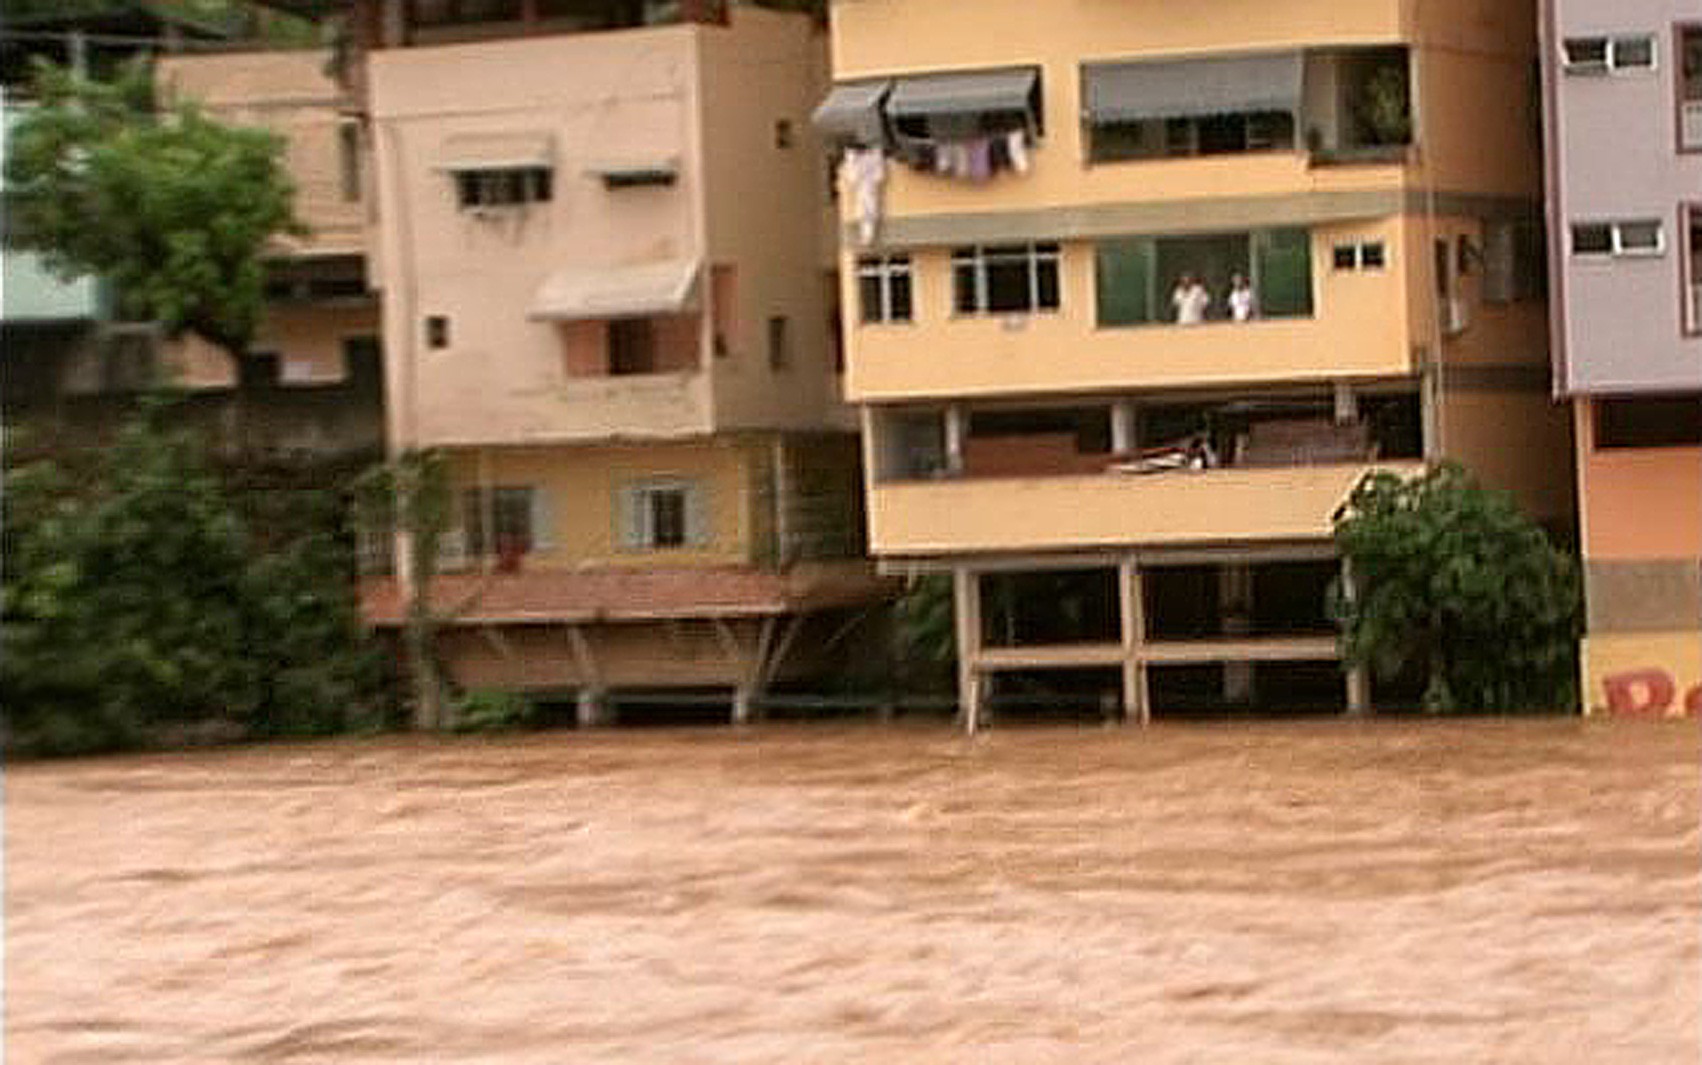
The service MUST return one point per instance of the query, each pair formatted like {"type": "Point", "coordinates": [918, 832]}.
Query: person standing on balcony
{"type": "Point", "coordinates": [1243, 307]}
{"type": "Point", "coordinates": [1191, 300]}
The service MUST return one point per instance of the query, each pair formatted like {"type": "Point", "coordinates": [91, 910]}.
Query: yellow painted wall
{"type": "Point", "coordinates": [1473, 69]}
{"type": "Point", "coordinates": [582, 482]}
{"type": "Point", "coordinates": [1107, 511]}
{"type": "Point", "coordinates": [1644, 675]}
{"type": "Point", "coordinates": [1359, 329]}
{"type": "Point", "coordinates": [1638, 504]}
{"type": "Point", "coordinates": [1517, 441]}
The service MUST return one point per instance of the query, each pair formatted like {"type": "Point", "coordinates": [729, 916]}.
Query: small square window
{"type": "Point", "coordinates": [1373, 256]}
{"type": "Point", "coordinates": [1346, 256]}
{"type": "Point", "coordinates": [1586, 55]}
{"type": "Point", "coordinates": [1633, 53]}
{"type": "Point", "coordinates": [437, 332]}
{"type": "Point", "coordinates": [1640, 238]}
{"type": "Point", "coordinates": [1592, 238]}
{"type": "Point", "coordinates": [783, 134]}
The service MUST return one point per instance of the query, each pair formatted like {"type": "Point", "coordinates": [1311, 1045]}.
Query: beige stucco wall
{"type": "Point", "coordinates": [308, 339]}
{"type": "Point", "coordinates": [290, 94]}
{"type": "Point", "coordinates": [705, 96]}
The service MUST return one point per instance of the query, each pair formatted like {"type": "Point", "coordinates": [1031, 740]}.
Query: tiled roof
{"type": "Point", "coordinates": [612, 594]}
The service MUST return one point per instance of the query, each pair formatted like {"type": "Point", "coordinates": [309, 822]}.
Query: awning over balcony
{"type": "Point", "coordinates": [496, 151]}
{"type": "Point", "coordinates": [640, 291]}
{"type": "Point", "coordinates": [853, 112]}
{"type": "Point", "coordinates": [1193, 88]}
{"type": "Point", "coordinates": [963, 94]}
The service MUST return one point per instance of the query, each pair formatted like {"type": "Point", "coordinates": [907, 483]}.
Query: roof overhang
{"type": "Point", "coordinates": [588, 293]}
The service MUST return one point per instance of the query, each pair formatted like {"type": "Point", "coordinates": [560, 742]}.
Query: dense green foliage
{"type": "Point", "coordinates": [140, 607]}
{"type": "Point", "coordinates": [488, 710]}
{"type": "Point", "coordinates": [169, 206]}
{"type": "Point", "coordinates": [1450, 582]}
{"type": "Point", "coordinates": [925, 636]}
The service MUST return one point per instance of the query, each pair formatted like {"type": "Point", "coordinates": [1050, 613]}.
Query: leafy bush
{"type": "Point", "coordinates": [1451, 581]}
{"type": "Point", "coordinates": [487, 710]}
{"type": "Point", "coordinates": [136, 606]}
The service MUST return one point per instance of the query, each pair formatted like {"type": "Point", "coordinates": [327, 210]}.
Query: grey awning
{"type": "Point", "coordinates": [853, 112]}
{"type": "Point", "coordinates": [1192, 88]}
{"type": "Point", "coordinates": [964, 94]}
{"type": "Point", "coordinates": [636, 291]}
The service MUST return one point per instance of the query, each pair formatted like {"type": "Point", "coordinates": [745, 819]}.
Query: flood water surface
{"type": "Point", "coordinates": [1270, 894]}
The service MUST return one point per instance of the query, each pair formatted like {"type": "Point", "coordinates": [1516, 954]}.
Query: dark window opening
{"type": "Point", "coordinates": [779, 342]}
{"type": "Point", "coordinates": [508, 518]}
{"type": "Point", "coordinates": [437, 331]}
{"type": "Point", "coordinates": [667, 517]}
{"type": "Point", "coordinates": [1212, 690]}
{"type": "Point", "coordinates": [632, 346]}
{"type": "Point", "coordinates": [503, 186]}
{"type": "Point", "coordinates": [1051, 695]}
{"type": "Point", "coordinates": [1651, 422]}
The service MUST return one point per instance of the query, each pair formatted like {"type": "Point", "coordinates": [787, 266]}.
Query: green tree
{"type": "Point", "coordinates": [1449, 580]}
{"type": "Point", "coordinates": [171, 207]}
{"type": "Point", "coordinates": [136, 604]}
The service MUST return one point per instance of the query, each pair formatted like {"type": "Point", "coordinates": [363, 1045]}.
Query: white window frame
{"type": "Point", "coordinates": [1616, 235]}
{"type": "Point", "coordinates": [1358, 248]}
{"type": "Point", "coordinates": [1610, 61]}
{"type": "Point", "coordinates": [977, 258]}
{"type": "Point", "coordinates": [885, 270]}
{"type": "Point", "coordinates": [637, 517]}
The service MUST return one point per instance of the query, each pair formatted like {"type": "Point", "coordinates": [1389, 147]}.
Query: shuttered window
{"type": "Point", "coordinates": [663, 515]}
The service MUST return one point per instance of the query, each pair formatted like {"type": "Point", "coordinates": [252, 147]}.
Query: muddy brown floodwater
{"type": "Point", "coordinates": [1267, 894]}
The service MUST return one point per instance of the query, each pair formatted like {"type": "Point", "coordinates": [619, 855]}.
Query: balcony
{"type": "Point", "coordinates": [1021, 514]}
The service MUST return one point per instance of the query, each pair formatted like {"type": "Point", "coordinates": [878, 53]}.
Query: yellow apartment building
{"type": "Point", "coordinates": [1134, 293]}
{"type": "Point", "coordinates": [601, 241]}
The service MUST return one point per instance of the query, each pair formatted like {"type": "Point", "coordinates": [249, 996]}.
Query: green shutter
{"type": "Point", "coordinates": [1283, 272]}
{"type": "Point", "coordinates": [1123, 276]}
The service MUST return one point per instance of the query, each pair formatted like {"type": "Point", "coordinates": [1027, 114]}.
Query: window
{"type": "Point", "coordinates": [453, 12]}
{"type": "Point", "coordinates": [348, 160]}
{"type": "Point", "coordinates": [1639, 238]}
{"type": "Point", "coordinates": [724, 307]}
{"type": "Point", "coordinates": [783, 134]}
{"type": "Point", "coordinates": [1646, 422]}
{"type": "Point", "coordinates": [779, 342]}
{"type": "Point", "coordinates": [1134, 276]}
{"type": "Point", "coordinates": [632, 346]}
{"type": "Point", "coordinates": [510, 186]}
{"type": "Point", "coordinates": [506, 523]}
{"type": "Point", "coordinates": [1005, 279]}
{"type": "Point", "coordinates": [1609, 55]}
{"type": "Point", "coordinates": [437, 332]}
{"type": "Point", "coordinates": [1692, 266]}
{"type": "Point", "coordinates": [663, 515]}
{"type": "Point", "coordinates": [884, 289]}
{"type": "Point", "coordinates": [1367, 255]}
{"type": "Point", "coordinates": [1690, 88]}
{"type": "Point", "coordinates": [1258, 131]}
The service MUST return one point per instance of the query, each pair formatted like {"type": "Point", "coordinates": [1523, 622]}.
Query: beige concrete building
{"type": "Point", "coordinates": [1134, 295]}
{"type": "Point", "coordinates": [311, 381]}
{"type": "Point", "coordinates": [607, 299]}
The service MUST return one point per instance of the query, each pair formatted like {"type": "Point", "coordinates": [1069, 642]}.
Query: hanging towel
{"type": "Point", "coordinates": [1016, 143]}
{"type": "Point", "coordinates": [980, 152]}
{"type": "Point", "coordinates": [865, 174]}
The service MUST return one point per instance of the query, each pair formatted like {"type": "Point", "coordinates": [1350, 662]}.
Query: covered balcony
{"type": "Point", "coordinates": [1126, 472]}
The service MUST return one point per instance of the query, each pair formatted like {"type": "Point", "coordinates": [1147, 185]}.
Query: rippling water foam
{"type": "Point", "coordinates": [1312, 892]}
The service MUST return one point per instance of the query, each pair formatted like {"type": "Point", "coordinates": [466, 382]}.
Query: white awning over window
{"type": "Point", "coordinates": [1193, 88]}
{"type": "Point", "coordinates": [496, 151]}
{"type": "Point", "coordinates": [638, 291]}
{"type": "Point", "coordinates": [963, 94]}
{"type": "Point", "coordinates": [853, 112]}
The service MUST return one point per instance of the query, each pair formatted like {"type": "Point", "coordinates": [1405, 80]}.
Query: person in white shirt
{"type": "Point", "coordinates": [1191, 300]}
{"type": "Point", "coordinates": [1242, 306]}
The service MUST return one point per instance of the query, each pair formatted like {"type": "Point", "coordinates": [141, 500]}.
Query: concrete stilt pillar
{"type": "Point", "coordinates": [971, 681]}
{"type": "Point", "coordinates": [592, 708]}
{"type": "Point", "coordinates": [744, 705]}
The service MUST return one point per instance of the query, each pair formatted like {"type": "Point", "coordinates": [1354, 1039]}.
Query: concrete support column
{"type": "Point", "coordinates": [591, 708]}
{"type": "Point", "coordinates": [957, 434]}
{"type": "Point", "coordinates": [1235, 600]}
{"type": "Point", "coordinates": [1358, 680]}
{"type": "Point", "coordinates": [1137, 699]}
{"type": "Point", "coordinates": [971, 693]}
{"type": "Point", "coordinates": [744, 705]}
{"type": "Point", "coordinates": [1125, 431]}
